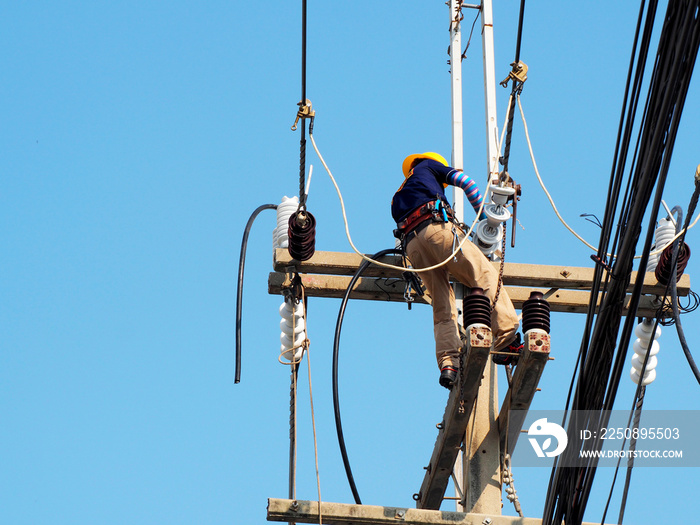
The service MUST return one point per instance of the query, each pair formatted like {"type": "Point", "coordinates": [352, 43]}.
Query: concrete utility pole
{"type": "Point", "coordinates": [476, 473]}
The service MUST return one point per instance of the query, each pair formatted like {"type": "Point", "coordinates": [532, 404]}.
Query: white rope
{"type": "Point", "coordinates": [551, 201]}
{"type": "Point", "coordinates": [656, 252]}
{"type": "Point", "coordinates": [378, 263]}
{"type": "Point", "coordinates": [313, 418]}
{"type": "Point", "coordinates": [308, 181]}
{"type": "Point", "coordinates": [305, 345]}
{"type": "Point", "coordinates": [537, 172]}
{"type": "Point", "coordinates": [391, 266]}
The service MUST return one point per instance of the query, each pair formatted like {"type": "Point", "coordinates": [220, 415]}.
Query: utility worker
{"type": "Point", "coordinates": [423, 214]}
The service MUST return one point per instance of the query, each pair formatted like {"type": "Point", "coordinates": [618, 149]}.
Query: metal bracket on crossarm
{"type": "Point", "coordinates": [305, 111]}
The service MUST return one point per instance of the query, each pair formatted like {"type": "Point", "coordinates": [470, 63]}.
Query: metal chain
{"type": "Point", "coordinates": [461, 385]}
{"type": "Point", "coordinates": [500, 272]}
{"type": "Point", "coordinates": [464, 339]}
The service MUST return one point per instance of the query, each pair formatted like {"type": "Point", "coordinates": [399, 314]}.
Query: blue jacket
{"type": "Point", "coordinates": [424, 184]}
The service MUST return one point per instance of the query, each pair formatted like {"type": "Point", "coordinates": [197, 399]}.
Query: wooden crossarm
{"type": "Point", "coordinates": [514, 274]}
{"type": "Point", "coordinates": [392, 289]}
{"type": "Point", "coordinates": [300, 511]}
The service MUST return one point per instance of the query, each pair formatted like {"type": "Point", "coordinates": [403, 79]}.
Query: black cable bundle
{"type": "Point", "coordinates": [600, 364]}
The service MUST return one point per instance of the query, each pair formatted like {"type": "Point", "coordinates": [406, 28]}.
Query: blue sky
{"type": "Point", "coordinates": [138, 137]}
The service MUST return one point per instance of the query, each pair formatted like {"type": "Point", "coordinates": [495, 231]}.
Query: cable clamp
{"type": "Point", "coordinates": [518, 74]}
{"type": "Point", "coordinates": [413, 284]}
{"type": "Point", "coordinates": [292, 285]}
{"type": "Point", "coordinates": [305, 111]}
{"type": "Point", "coordinates": [601, 262]}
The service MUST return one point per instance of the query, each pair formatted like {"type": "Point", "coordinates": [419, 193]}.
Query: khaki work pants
{"type": "Point", "coordinates": [432, 245]}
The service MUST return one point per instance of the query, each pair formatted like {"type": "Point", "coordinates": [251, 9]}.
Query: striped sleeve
{"type": "Point", "coordinates": [471, 190]}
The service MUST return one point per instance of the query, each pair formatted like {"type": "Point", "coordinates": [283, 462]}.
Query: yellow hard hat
{"type": "Point", "coordinates": [406, 166]}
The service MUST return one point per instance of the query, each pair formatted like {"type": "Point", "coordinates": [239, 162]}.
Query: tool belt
{"type": "Point", "coordinates": [433, 211]}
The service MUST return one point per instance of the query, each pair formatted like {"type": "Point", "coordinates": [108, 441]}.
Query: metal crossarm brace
{"type": "Point", "coordinates": [522, 390]}
{"type": "Point", "coordinates": [454, 422]}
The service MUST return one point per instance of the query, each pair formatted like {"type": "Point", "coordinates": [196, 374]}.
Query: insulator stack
{"type": "Point", "coordinates": [641, 347]}
{"type": "Point", "coordinates": [663, 234]}
{"type": "Point", "coordinates": [284, 211]}
{"type": "Point", "coordinates": [536, 313]}
{"type": "Point", "coordinates": [477, 308]}
{"type": "Point", "coordinates": [489, 232]}
{"type": "Point", "coordinates": [664, 270]}
{"type": "Point", "coordinates": [293, 332]}
{"type": "Point", "coordinates": [302, 235]}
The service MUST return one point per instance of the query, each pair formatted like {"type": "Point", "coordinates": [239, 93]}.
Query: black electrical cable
{"type": "Point", "coordinates": [674, 293]}
{"type": "Point", "coordinates": [678, 48]}
{"type": "Point", "coordinates": [636, 409]}
{"type": "Point", "coordinates": [516, 89]}
{"type": "Point", "coordinates": [630, 462]}
{"type": "Point", "coordinates": [336, 347]}
{"type": "Point", "coordinates": [239, 297]}
{"type": "Point", "coordinates": [599, 374]}
{"type": "Point", "coordinates": [520, 30]}
{"type": "Point", "coordinates": [639, 394]}
{"type": "Point", "coordinates": [640, 391]}
{"type": "Point", "coordinates": [668, 109]}
{"type": "Point", "coordinates": [302, 140]}
{"type": "Point", "coordinates": [635, 414]}
{"type": "Point", "coordinates": [557, 477]}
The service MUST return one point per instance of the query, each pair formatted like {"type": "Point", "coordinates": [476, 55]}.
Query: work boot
{"type": "Point", "coordinates": [448, 376]}
{"type": "Point", "coordinates": [513, 348]}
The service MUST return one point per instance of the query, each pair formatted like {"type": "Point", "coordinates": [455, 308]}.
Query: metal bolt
{"type": "Point", "coordinates": [487, 521]}
{"type": "Point", "coordinates": [400, 514]}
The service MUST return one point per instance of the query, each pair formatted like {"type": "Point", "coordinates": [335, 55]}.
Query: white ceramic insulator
{"type": "Point", "coordinates": [292, 330]}
{"type": "Point", "coordinates": [496, 214]}
{"type": "Point", "coordinates": [500, 194]}
{"type": "Point", "coordinates": [285, 209]}
{"type": "Point", "coordinates": [653, 261]}
{"type": "Point", "coordinates": [641, 348]}
{"type": "Point", "coordinates": [489, 232]}
{"type": "Point", "coordinates": [488, 238]}
{"type": "Point", "coordinates": [638, 361]}
{"type": "Point", "coordinates": [643, 331]}
{"type": "Point", "coordinates": [665, 231]}
{"type": "Point", "coordinates": [648, 376]}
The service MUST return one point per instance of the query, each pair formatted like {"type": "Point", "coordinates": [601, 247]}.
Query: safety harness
{"type": "Point", "coordinates": [432, 211]}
